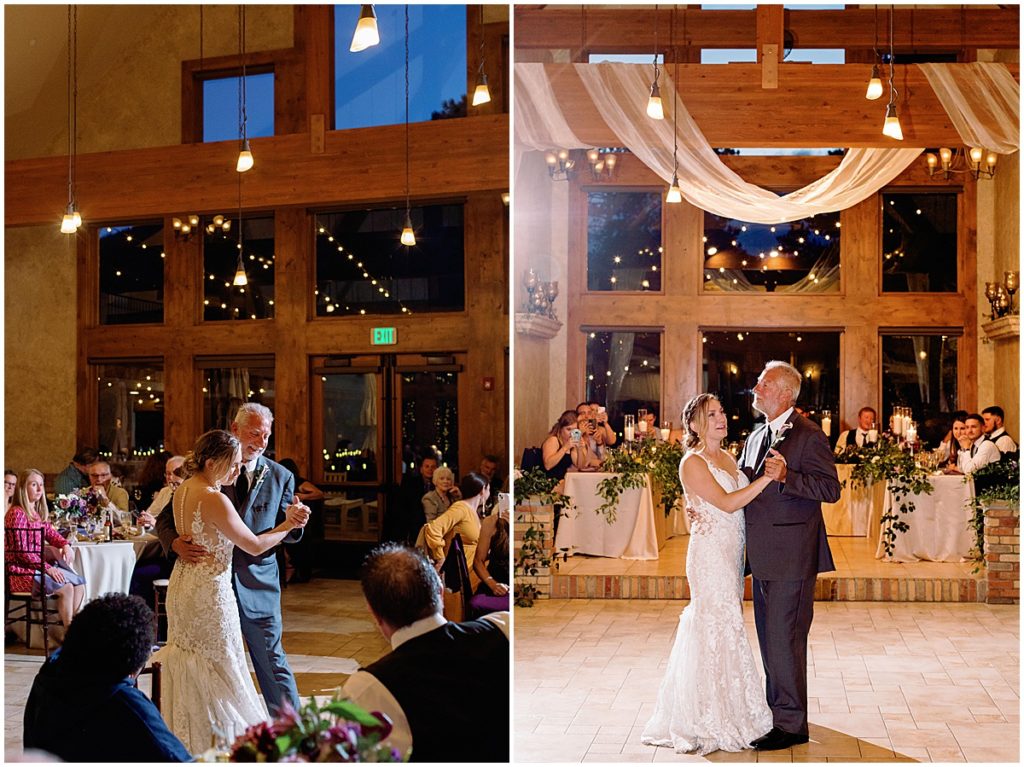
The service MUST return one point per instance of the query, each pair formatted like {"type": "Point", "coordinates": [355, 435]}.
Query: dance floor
{"type": "Point", "coordinates": [887, 682]}
{"type": "Point", "coordinates": [328, 634]}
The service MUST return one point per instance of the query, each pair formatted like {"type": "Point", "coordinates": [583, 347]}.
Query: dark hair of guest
{"type": "Point", "coordinates": [400, 585]}
{"type": "Point", "coordinates": [111, 638]}
{"type": "Point", "coordinates": [472, 485]}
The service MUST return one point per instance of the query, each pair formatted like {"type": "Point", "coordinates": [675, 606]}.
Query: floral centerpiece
{"type": "Point", "coordinates": [338, 731]}
{"type": "Point", "coordinates": [631, 465]}
{"type": "Point", "coordinates": [76, 506]}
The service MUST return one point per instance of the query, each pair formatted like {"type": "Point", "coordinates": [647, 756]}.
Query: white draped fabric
{"type": "Point", "coordinates": [982, 100]}
{"type": "Point", "coordinates": [619, 92]}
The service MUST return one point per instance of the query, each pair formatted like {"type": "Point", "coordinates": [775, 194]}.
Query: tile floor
{"type": "Point", "coordinates": [929, 682]}
{"type": "Point", "coordinates": [328, 635]}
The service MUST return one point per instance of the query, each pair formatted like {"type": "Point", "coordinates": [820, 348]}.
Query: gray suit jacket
{"type": "Point", "coordinates": [256, 578]}
{"type": "Point", "coordinates": [785, 531]}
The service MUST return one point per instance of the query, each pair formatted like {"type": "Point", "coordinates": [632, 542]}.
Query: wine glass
{"type": "Point", "coordinates": [1012, 282]}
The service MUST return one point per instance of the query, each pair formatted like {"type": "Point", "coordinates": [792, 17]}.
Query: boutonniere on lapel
{"type": "Point", "coordinates": [261, 474]}
{"type": "Point", "coordinates": [783, 430]}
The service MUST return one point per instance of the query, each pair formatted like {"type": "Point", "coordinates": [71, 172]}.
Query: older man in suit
{"type": "Point", "coordinates": [786, 544]}
{"type": "Point", "coordinates": [262, 494]}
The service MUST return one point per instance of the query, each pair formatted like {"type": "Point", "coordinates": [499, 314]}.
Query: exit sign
{"type": "Point", "coordinates": [383, 336]}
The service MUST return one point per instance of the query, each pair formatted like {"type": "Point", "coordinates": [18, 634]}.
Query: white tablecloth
{"type": "Point", "coordinates": [940, 529]}
{"type": "Point", "coordinates": [852, 513]}
{"type": "Point", "coordinates": [582, 531]}
{"type": "Point", "coordinates": [106, 567]}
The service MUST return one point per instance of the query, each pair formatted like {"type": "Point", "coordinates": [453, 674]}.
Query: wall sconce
{"type": "Point", "coordinates": [1000, 295]}
{"type": "Point", "coordinates": [976, 161]}
{"type": "Point", "coordinates": [560, 164]}
{"type": "Point", "coordinates": [184, 227]}
{"type": "Point", "coordinates": [602, 165]}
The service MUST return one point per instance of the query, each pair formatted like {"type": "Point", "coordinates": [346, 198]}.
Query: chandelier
{"type": "Point", "coordinates": [974, 160]}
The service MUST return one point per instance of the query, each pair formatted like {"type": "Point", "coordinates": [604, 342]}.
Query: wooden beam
{"type": "Point", "coordinates": [631, 30]}
{"type": "Point", "coordinates": [362, 165]}
{"type": "Point", "coordinates": [815, 105]}
{"type": "Point", "coordinates": [770, 43]}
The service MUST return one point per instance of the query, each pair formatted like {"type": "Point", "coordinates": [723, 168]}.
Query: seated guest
{"type": "Point", "coordinates": [461, 518]}
{"type": "Point", "coordinates": [84, 705]}
{"type": "Point", "coordinates": [867, 419]}
{"type": "Point", "coordinates": [949, 447]}
{"type": "Point", "coordinates": [152, 564]}
{"type": "Point", "coordinates": [113, 497]}
{"type": "Point", "coordinates": [592, 435]}
{"type": "Point", "coordinates": [562, 450]}
{"type": "Point", "coordinates": [605, 434]}
{"type": "Point", "coordinates": [408, 521]}
{"type": "Point", "coordinates": [75, 475]}
{"type": "Point", "coordinates": [975, 450]}
{"type": "Point", "coordinates": [29, 510]}
{"type": "Point", "coordinates": [162, 500]}
{"type": "Point", "coordinates": [994, 430]}
{"type": "Point", "coordinates": [152, 476]}
{"type": "Point", "coordinates": [444, 494]}
{"type": "Point", "coordinates": [417, 684]}
{"type": "Point", "coordinates": [489, 465]}
{"type": "Point", "coordinates": [491, 565]}
{"type": "Point", "coordinates": [10, 485]}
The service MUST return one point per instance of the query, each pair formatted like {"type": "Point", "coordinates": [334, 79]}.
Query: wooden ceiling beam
{"type": "Point", "coordinates": [815, 105]}
{"type": "Point", "coordinates": [631, 30]}
{"type": "Point", "coordinates": [364, 165]}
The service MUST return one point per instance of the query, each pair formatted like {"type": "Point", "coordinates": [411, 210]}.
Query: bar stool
{"type": "Point", "coordinates": [159, 604]}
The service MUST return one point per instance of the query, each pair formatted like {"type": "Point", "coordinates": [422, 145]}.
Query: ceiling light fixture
{"type": "Point", "coordinates": [366, 34]}
{"type": "Point", "coordinates": [72, 218]}
{"type": "Point", "coordinates": [481, 95]}
{"type": "Point", "coordinates": [654, 107]}
{"type": "Point", "coordinates": [875, 82]}
{"type": "Point", "coordinates": [408, 237]}
{"type": "Point", "coordinates": [675, 194]}
{"type": "Point", "coordinates": [245, 159]}
{"type": "Point", "coordinates": [891, 126]}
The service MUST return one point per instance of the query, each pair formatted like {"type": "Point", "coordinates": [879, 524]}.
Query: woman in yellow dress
{"type": "Point", "coordinates": [461, 518]}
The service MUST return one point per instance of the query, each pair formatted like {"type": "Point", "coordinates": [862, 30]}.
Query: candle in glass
{"type": "Point", "coordinates": [628, 431]}
{"type": "Point", "coordinates": [666, 430]}
{"type": "Point", "coordinates": [826, 422]}
{"type": "Point", "coordinates": [641, 420]}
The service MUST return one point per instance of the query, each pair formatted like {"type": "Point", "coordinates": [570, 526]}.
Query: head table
{"type": "Point", "coordinates": [940, 525]}
{"type": "Point", "coordinates": [581, 530]}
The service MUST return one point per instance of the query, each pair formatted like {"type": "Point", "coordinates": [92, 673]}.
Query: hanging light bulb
{"type": "Point", "coordinates": [874, 84]}
{"type": "Point", "coordinates": [67, 224]}
{"type": "Point", "coordinates": [72, 219]}
{"type": "Point", "coordinates": [655, 109]}
{"type": "Point", "coordinates": [240, 279]}
{"type": "Point", "coordinates": [481, 95]}
{"type": "Point", "coordinates": [891, 127]}
{"type": "Point", "coordinates": [366, 34]}
{"type": "Point", "coordinates": [245, 160]}
{"type": "Point", "coordinates": [76, 217]}
{"type": "Point", "coordinates": [675, 194]}
{"type": "Point", "coordinates": [408, 236]}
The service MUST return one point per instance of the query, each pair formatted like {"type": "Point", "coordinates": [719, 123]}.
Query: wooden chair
{"type": "Point", "coordinates": [455, 574]}
{"type": "Point", "coordinates": [154, 671]}
{"type": "Point", "coordinates": [23, 547]}
{"type": "Point", "coordinates": [159, 606]}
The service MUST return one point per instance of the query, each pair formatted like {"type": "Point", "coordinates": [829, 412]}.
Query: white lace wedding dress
{"type": "Point", "coordinates": [206, 686]}
{"type": "Point", "coordinates": [711, 698]}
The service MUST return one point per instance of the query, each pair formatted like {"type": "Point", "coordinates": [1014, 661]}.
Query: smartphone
{"type": "Point", "coordinates": [575, 435]}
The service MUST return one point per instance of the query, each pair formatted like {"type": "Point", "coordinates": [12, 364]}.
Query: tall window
{"type": "Point", "coordinates": [734, 359]}
{"type": "Point", "coordinates": [361, 268]}
{"type": "Point", "coordinates": [624, 372]}
{"type": "Point", "coordinates": [624, 241]}
{"type": "Point", "coordinates": [131, 274]}
{"type": "Point", "coordinates": [919, 235]}
{"type": "Point", "coordinates": [795, 257]}
{"type": "Point", "coordinates": [227, 384]}
{"type": "Point", "coordinates": [131, 409]}
{"type": "Point", "coordinates": [920, 371]}
{"type": "Point", "coordinates": [222, 299]}
{"type": "Point", "coordinates": [220, 107]}
{"type": "Point", "coordinates": [350, 427]}
{"type": "Point", "coordinates": [369, 86]}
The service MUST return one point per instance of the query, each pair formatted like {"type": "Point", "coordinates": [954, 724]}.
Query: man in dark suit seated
{"type": "Point", "coordinates": [84, 705]}
{"type": "Point", "coordinates": [444, 685]}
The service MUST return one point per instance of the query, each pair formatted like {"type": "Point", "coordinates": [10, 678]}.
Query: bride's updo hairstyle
{"type": "Point", "coordinates": [215, 445]}
{"type": "Point", "coordinates": [695, 420]}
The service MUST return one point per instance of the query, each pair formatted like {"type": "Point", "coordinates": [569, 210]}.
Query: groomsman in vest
{"type": "Point", "coordinates": [976, 450]}
{"type": "Point", "coordinates": [994, 430]}
{"type": "Point", "coordinates": [443, 685]}
{"type": "Point", "coordinates": [866, 420]}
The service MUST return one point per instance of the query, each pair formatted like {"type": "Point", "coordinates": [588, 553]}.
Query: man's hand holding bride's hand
{"type": "Point", "coordinates": [775, 465]}
{"type": "Point", "coordinates": [298, 513]}
{"type": "Point", "coordinates": [187, 551]}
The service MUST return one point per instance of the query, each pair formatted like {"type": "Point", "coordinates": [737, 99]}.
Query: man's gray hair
{"type": "Point", "coordinates": [247, 410]}
{"type": "Point", "coordinates": [789, 376]}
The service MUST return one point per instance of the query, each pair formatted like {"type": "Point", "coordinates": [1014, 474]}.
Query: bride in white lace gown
{"type": "Point", "coordinates": [206, 687]}
{"type": "Point", "coordinates": [711, 697]}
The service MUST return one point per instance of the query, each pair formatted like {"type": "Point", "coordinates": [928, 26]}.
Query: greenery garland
{"type": "Point", "coordinates": [884, 461]}
{"type": "Point", "coordinates": [994, 484]}
{"type": "Point", "coordinates": [534, 555]}
{"type": "Point", "coordinates": [630, 467]}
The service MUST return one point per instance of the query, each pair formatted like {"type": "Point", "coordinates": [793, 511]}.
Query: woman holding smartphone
{"type": "Point", "coordinates": [563, 449]}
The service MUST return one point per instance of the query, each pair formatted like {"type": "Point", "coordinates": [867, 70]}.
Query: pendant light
{"type": "Point", "coordinates": [874, 91]}
{"type": "Point", "coordinates": [891, 126]}
{"type": "Point", "coordinates": [675, 194]}
{"type": "Point", "coordinates": [240, 279]}
{"type": "Point", "coordinates": [481, 95]}
{"type": "Point", "coordinates": [654, 107]}
{"type": "Point", "coordinates": [366, 34]}
{"type": "Point", "coordinates": [72, 218]}
{"type": "Point", "coordinates": [245, 159]}
{"type": "Point", "coordinates": [408, 237]}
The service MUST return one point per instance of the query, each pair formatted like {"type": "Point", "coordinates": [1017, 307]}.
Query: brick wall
{"type": "Point", "coordinates": [1002, 554]}
{"type": "Point", "coordinates": [542, 520]}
